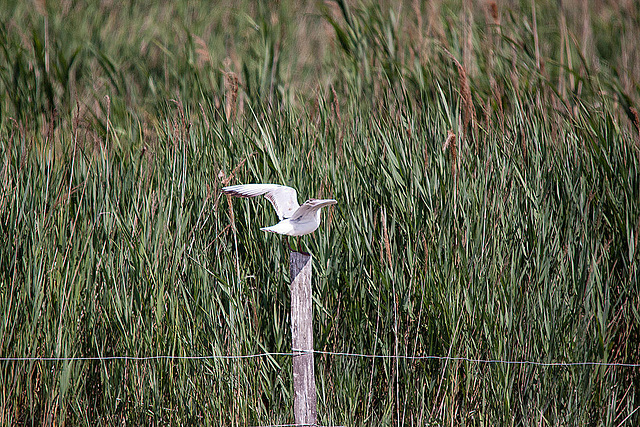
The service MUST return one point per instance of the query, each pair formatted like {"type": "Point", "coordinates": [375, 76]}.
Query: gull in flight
{"type": "Point", "coordinates": [295, 220]}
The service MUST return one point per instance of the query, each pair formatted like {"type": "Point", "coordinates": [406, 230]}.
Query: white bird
{"type": "Point", "coordinates": [295, 220]}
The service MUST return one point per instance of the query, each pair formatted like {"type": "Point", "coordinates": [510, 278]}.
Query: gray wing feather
{"type": "Point", "coordinates": [284, 199]}
{"type": "Point", "coordinates": [303, 211]}
{"type": "Point", "coordinates": [309, 208]}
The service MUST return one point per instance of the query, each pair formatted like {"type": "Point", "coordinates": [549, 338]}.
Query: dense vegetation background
{"type": "Point", "coordinates": [514, 237]}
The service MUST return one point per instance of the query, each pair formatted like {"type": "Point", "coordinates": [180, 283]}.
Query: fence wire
{"type": "Point", "coordinates": [139, 358]}
{"type": "Point", "coordinates": [472, 360]}
{"type": "Point", "coordinates": [298, 352]}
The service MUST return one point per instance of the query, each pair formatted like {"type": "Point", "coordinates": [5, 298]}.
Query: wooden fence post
{"type": "Point", "coordinates": [304, 382]}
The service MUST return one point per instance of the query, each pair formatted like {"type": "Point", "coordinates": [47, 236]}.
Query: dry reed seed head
{"type": "Point", "coordinates": [50, 126]}
{"type": "Point", "coordinates": [230, 205]}
{"type": "Point", "coordinates": [204, 117]}
{"type": "Point", "coordinates": [426, 156]}
{"type": "Point", "coordinates": [636, 118]}
{"type": "Point", "coordinates": [182, 125]}
{"type": "Point", "coordinates": [452, 145]}
{"type": "Point", "coordinates": [493, 10]}
{"type": "Point", "coordinates": [465, 91]}
{"type": "Point", "coordinates": [450, 141]}
{"type": "Point", "coordinates": [231, 81]}
{"type": "Point", "coordinates": [41, 7]}
{"type": "Point", "coordinates": [315, 109]}
{"type": "Point", "coordinates": [416, 6]}
{"type": "Point", "coordinates": [329, 219]}
{"type": "Point", "coordinates": [336, 106]}
{"type": "Point", "coordinates": [385, 233]}
{"type": "Point", "coordinates": [202, 52]}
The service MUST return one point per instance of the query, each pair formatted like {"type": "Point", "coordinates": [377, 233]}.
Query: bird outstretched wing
{"type": "Point", "coordinates": [284, 199]}
{"type": "Point", "coordinates": [309, 208]}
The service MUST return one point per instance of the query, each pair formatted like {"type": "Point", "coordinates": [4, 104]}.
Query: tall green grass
{"type": "Point", "coordinates": [518, 242]}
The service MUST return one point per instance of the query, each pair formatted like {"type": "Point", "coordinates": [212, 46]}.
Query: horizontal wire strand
{"type": "Point", "coordinates": [298, 352]}
{"type": "Point", "coordinates": [140, 358]}
{"type": "Point", "coordinates": [472, 360]}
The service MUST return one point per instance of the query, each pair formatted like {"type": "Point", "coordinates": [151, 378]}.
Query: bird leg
{"type": "Point", "coordinates": [286, 240]}
{"type": "Point", "coordinates": [300, 248]}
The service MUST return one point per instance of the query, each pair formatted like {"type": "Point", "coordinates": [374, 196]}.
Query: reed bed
{"type": "Point", "coordinates": [485, 156]}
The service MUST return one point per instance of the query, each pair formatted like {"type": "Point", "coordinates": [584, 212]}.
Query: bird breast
{"type": "Point", "coordinates": [304, 225]}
